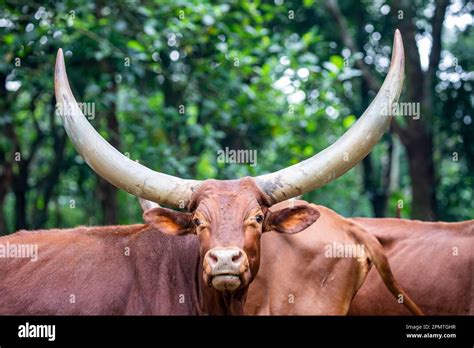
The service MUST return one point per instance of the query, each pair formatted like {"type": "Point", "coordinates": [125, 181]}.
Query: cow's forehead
{"type": "Point", "coordinates": [226, 193]}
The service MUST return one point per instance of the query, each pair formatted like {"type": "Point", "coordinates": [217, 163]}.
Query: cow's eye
{"type": "Point", "coordinates": [259, 218]}
{"type": "Point", "coordinates": [197, 222]}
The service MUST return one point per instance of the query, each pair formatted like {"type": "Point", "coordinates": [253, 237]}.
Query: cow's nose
{"type": "Point", "coordinates": [224, 267]}
{"type": "Point", "coordinates": [229, 260]}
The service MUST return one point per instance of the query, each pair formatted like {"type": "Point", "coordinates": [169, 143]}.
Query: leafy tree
{"type": "Point", "coordinates": [171, 83]}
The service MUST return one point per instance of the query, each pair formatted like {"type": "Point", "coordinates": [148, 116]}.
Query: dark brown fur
{"type": "Point", "coordinates": [91, 266]}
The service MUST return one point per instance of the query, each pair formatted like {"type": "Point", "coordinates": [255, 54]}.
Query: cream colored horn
{"type": "Point", "coordinates": [349, 149]}
{"type": "Point", "coordinates": [109, 163]}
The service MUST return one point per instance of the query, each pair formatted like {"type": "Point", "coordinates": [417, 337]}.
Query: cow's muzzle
{"type": "Point", "coordinates": [225, 268]}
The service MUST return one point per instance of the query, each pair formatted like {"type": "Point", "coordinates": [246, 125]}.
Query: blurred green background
{"type": "Point", "coordinates": [173, 82]}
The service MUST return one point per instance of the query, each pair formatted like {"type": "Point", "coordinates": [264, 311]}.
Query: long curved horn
{"type": "Point", "coordinates": [349, 149]}
{"type": "Point", "coordinates": [109, 163]}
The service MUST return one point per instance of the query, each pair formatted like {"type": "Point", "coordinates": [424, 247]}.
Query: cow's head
{"type": "Point", "coordinates": [229, 216]}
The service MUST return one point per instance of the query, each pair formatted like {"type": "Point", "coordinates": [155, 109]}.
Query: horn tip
{"type": "Point", "coordinates": [398, 41]}
{"type": "Point", "coordinates": [60, 55]}
{"type": "Point", "coordinates": [59, 61]}
{"type": "Point", "coordinates": [398, 54]}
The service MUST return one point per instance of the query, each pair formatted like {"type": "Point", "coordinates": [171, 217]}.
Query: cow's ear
{"type": "Point", "coordinates": [291, 220]}
{"type": "Point", "coordinates": [169, 221]}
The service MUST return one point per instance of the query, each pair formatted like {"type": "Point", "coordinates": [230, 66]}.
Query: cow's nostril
{"type": "Point", "coordinates": [237, 257]}
{"type": "Point", "coordinates": [225, 260]}
{"type": "Point", "coordinates": [213, 258]}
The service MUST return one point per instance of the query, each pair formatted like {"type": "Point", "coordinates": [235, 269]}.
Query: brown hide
{"type": "Point", "coordinates": [163, 267]}
{"type": "Point", "coordinates": [298, 278]}
{"type": "Point", "coordinates": [433, 261]}
{"type": "Point", "coordinates": [114, 270]}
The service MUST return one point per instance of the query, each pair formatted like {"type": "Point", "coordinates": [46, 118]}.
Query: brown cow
{"type": "Point", "coordinates": [432, 260]}
{"type": "Point", "coordinates": [113, 270]}
{"type": "Point", "coordinates": [138, 269]}
{"type": "Point", "coordinates": [318, 271]}
{"type": "Point", "coordinates": [227, 216]}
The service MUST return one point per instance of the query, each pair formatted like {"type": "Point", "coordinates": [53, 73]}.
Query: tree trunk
{"type": "Point", "coordinates": [58, 166]}
{"type": "Point", "coordinates": [420, 159]}
{"type": "Point", "coordinates": [5, 183]}
{"type": "Point", "coordinates": [6, 173]}
{"type": "Point", "coordinates": [107, 193]}
{"type": "Point", "coordinates": [20, 187]}
{"type": "Point", "coordinates": [417, 136]}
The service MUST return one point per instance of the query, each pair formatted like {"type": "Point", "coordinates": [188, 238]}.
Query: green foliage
{"type": "Point", "coordinates": [185, 79]}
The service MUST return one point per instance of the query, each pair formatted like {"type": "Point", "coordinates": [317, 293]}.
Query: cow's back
{"type": "Point", "coordinates": [109, 270]}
